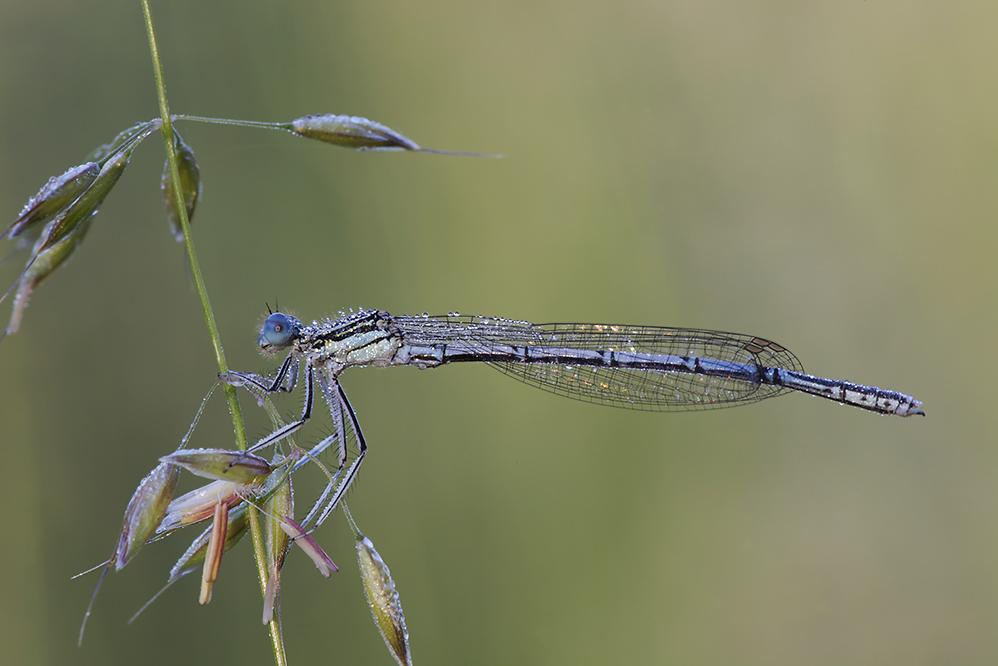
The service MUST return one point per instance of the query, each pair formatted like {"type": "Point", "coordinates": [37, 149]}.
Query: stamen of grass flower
{"type": "Point", "coordinates": [213, 554]}
{"type": "Point", "coordinates": [322, 562]}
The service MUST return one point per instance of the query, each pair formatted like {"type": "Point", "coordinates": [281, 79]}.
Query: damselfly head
{"type": "Point", "coordinates": [279, 331]}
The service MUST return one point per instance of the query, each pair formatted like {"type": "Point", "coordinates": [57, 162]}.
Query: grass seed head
{"type": "Point", "coordinates": [383, 598]}
{"type": "Point", "coordinates": [145, 512]}
{"type": "Point", "coordinates": [351, 132]}
{"type": "Point", "coordinates": [54, 196]}
{"type": "Point", "coordinates": [276, 542]}
{"type": "Point", "coordinates": [190, 185]}
{"type": "Point", "coordinates": [221, 464]}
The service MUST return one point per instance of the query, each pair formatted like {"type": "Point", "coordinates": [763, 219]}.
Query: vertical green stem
{"type": "Point", "coordinates": [230, 391]}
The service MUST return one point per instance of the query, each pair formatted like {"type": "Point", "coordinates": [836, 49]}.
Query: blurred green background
{"type": "Point", "coordinates": [822, 174]}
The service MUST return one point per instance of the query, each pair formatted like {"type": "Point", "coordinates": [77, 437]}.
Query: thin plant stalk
{"type": "Point", "coordinates": [238, 123]}
{"type": "Point", "coordinates": [230, 391]}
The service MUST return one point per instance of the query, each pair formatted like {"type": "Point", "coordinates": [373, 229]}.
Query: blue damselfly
{"type": "Point", "coordinates": [635, 367]}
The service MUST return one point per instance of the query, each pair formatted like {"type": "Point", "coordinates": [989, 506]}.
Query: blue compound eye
{"type": "Point", "coordinates": [277, 331]}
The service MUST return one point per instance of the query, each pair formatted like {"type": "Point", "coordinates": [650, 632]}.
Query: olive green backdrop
{"type": "Point", "coordinates": [822, 174]}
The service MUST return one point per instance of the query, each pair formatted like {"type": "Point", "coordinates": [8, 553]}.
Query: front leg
{"type": "Point", "coordinates": [285, 380]}
{"type": "Point", "coordinates": [253, 384]}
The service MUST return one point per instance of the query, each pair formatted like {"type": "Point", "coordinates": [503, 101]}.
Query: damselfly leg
{"type": "Point", "coordinates": [346, 427]}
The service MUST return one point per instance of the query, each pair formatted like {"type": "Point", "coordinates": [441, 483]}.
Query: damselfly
{"type": "Point", "coordinates": [635, 367]}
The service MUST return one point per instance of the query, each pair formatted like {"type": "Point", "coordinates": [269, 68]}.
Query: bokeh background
{"type": "Point", "coordinates": [822, 174]}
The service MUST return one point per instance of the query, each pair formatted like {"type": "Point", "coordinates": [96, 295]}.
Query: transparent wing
{"type": "Point", "coordinates": [595, 381]}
